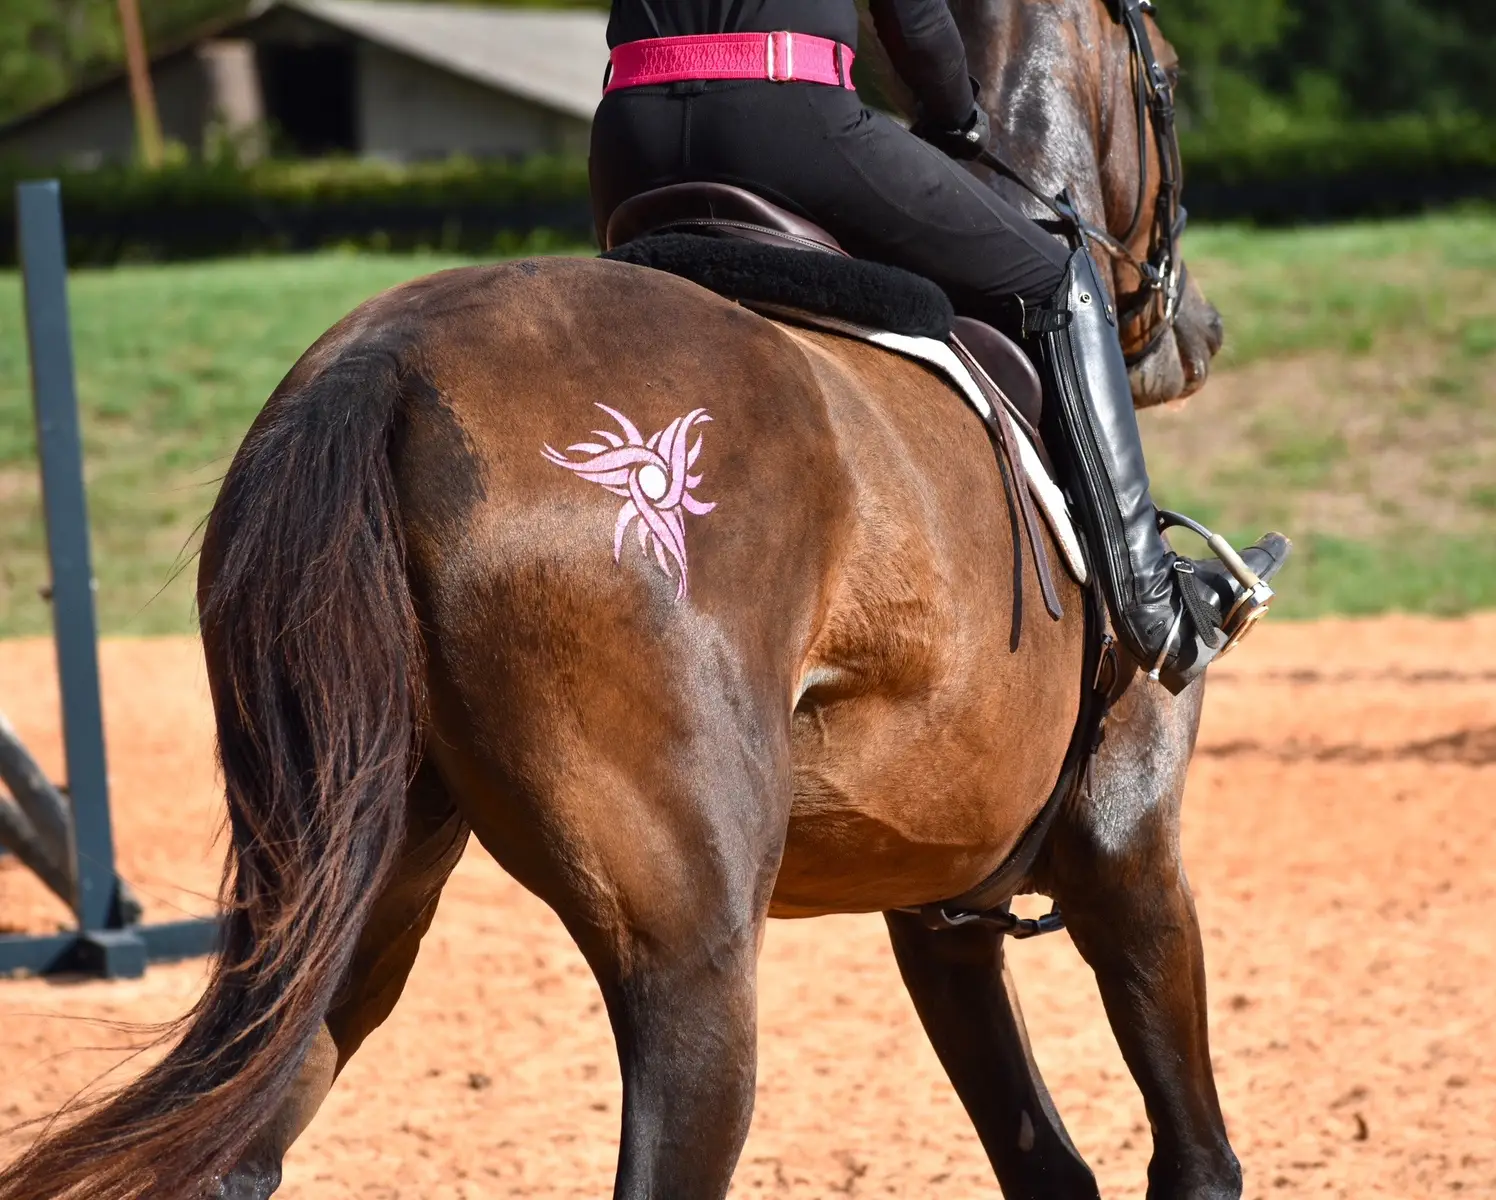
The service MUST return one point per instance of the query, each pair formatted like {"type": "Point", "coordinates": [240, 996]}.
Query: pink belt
{"type": "Point", "coordinates": [779, 57]}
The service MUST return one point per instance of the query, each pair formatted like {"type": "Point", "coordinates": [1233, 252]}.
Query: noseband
{"type": "Point", "coordinates": [1163, 271]}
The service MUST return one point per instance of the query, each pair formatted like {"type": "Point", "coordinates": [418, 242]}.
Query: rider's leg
{"type": "Point", "coordinates": [815, 150]}
{"type": "Point", "coordinates": [1167, 609]}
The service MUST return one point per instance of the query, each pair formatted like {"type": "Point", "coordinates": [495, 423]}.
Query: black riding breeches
{"type": "Point", "coordinates": [815, 150]}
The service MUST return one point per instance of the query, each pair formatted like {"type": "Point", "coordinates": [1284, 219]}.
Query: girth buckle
{"type": "Point", "coordinates": [937, 918]}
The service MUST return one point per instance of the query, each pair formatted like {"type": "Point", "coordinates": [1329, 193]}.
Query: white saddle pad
{"type": "Point", "coordinates": [936, 354]}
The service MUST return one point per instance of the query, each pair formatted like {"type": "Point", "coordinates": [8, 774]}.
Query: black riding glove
{"type": "Point", "coordinates": [967, 140]}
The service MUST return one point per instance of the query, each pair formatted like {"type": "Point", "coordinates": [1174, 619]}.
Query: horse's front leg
{"type": "Point", "coordinates": [965, 997]}
{"type": "Point", "coordinates": [1113, 864]}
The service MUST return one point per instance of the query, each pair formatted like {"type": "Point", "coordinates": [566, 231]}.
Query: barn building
{"type": "Point", "coordinates": [402, 82]}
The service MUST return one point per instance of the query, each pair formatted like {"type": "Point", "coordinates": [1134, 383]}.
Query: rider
{"type": "Point", "coordinates": [896, 196]}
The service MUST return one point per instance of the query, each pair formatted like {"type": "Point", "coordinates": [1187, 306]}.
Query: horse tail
{"type": "Point", "coordinates": [316, 667]}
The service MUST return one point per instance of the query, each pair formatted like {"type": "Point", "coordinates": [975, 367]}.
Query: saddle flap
{"type": "Point", "coordinates": [715, 209]}
{"type": "Point", "coordinates": [1006, 365]}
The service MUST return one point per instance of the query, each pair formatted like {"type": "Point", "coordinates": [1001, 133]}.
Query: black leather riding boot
{"type": "Point", "coordinates": [1172, 614]}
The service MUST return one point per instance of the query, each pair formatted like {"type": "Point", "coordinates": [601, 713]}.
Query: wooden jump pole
{"type": "Point", "coordinates": [37, 825]}
{"type": "Point", "coordinates": [142, 93]}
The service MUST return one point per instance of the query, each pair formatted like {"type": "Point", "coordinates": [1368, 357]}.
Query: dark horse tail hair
{"type": "Point", "coordinates": [316, 666]}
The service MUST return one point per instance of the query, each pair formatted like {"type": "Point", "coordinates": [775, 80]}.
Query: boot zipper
{"type": "Point", "coordinates": [1112, 533]}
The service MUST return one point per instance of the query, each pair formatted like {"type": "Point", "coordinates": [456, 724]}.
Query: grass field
{"type": "Point", "coordinates": [1355, 407]}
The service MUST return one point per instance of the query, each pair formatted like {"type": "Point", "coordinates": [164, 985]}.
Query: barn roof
{"type": "Point", "coordinates": [555, 58]}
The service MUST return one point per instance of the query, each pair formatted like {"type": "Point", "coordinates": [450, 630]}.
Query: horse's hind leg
{"type": "Point", "coordinates": [1113, 864]}
{"type": "Point", "coordinates": [683, 1003]}
{"type": "Point", "coordinates": [664, 884]}
{"type": "Point", "coordinates": [964, 995]}
{"type": "Point", "coordinates": [653, 825]}
{"type": "Point", "coordinates": [434, 840]}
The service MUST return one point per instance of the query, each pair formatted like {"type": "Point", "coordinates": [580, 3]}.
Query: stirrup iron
{"type": "Point", "coordinates": [1250, 607]}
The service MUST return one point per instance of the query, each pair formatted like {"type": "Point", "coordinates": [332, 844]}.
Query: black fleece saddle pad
{"type": "Point", "coordinates": [850, 289]}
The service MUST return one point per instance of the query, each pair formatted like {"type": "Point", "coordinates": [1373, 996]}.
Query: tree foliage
{"type": "Point", "coordinates": [45, 45]}
{"type": "Point", "coordinates": [1278, 62]}
{"type": "Point", "coordinates": [49, 47]}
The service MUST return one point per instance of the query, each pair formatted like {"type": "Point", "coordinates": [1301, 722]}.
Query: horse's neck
{"type": "Point", "coordinates": [1043, 71]}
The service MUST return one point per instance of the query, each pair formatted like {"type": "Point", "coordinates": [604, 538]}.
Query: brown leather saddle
{"type": "Point", "coordinates": [721, 210]}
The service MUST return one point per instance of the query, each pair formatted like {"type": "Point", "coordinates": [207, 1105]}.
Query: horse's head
{"type": "Point", "coordinates": [1061, 80]}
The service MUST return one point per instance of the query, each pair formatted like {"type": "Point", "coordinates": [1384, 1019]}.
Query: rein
{"type": "Point", "coordinates": [1162, 272]}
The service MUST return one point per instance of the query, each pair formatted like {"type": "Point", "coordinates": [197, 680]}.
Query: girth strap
{"type": "Point", "coordinates": [1105, 676]}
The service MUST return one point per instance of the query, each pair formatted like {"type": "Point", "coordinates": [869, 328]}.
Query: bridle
{"type": "Point", "coordinates": [1162, 272]}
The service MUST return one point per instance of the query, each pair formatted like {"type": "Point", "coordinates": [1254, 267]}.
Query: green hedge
{"type": "Point", "coordinates": [1328, 171]}
{"type": "Point", "coordinates": [1329, 150]}
{"type": "Point", "coordinates": [338, 181]}
{"type": "Point", "coordinates": [193, 210]}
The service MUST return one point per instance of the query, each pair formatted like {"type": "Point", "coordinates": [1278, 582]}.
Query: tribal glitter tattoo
{"type": "Point", "coordinates": [654, 478]}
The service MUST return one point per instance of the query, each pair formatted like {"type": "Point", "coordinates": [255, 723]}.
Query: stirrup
{"type": "Point", "coordinates": [1256, 595]}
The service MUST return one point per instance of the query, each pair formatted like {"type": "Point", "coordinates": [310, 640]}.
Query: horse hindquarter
{"type": "Point", "coordinates": [612, 670]}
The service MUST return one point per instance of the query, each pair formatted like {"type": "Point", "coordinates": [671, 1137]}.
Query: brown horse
{"type": "Point", "coordinates": [678, 677]}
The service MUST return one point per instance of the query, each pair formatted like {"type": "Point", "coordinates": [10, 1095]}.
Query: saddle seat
{"type": "Point", "coordinates": [724, 211]}
{"type": "Point", "coordinates": [715, 210]}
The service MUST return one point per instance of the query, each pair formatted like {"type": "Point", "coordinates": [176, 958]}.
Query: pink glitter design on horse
{"type": "Point", "coordinates": [654, 477]}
